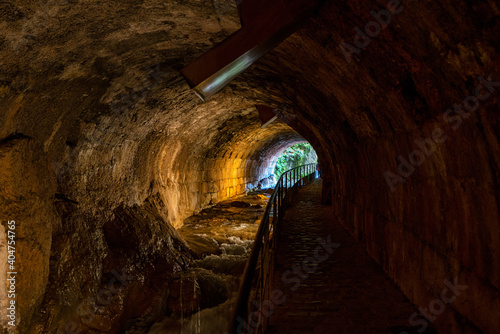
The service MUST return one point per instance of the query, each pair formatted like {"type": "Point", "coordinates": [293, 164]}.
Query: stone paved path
{"type": "Point", "coordinates": [347, 293]}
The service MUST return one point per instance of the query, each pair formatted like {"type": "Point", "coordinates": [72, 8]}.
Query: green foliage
{"type": "Point", "coordinates": [296, 155]}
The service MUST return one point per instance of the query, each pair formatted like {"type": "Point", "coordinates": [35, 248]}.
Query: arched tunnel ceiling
{"type": "Point", "coordinates": [93, 109]}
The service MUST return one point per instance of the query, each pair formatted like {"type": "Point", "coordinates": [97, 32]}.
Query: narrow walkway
{"type": "Point", "coordinates": [346, 293]}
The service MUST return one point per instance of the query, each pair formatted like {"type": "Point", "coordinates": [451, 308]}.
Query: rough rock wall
{"type": "Point", "coordinates": [104, 147]}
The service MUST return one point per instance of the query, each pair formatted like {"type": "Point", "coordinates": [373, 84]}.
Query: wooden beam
{"type": "Point", "coordinates": [265, 24]}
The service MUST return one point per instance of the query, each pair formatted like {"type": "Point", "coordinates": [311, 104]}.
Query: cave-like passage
{"type": "Point", "coordinates": [221, 235]}
{"type": "Point", "coordinates": [325, 282]}
{"type": "Point", "coordinates": [220, 238]}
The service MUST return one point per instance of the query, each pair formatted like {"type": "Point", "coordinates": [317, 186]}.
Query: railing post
{"type": "Point", "coordinates": [301, 170]}
{"type": "Point", "coordinates": [278, 189]}
{"type": "Point", "coordinates": [299, 173]}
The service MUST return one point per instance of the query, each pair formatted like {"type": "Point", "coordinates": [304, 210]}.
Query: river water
{"type": "Point", "coordinates": [201, 298]}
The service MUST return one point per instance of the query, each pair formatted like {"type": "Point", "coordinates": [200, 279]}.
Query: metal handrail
{"type": "Point", "coordinates": [263, 252]}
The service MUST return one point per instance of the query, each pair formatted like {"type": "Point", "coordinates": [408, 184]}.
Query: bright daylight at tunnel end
{"type": "Point", "coordinates": [221, 166]}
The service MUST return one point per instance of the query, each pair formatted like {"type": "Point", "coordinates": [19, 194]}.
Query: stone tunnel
{"type": "Point", "coordinates": [106, 149]}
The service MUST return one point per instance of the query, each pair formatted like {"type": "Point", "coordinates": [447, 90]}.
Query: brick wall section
{"type": "Point", "coordinates": [217, 180]}
{"type": "Point", "coordinates": [189, 181]}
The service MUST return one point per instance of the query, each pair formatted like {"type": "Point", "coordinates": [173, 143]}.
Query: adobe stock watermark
{"type": "Point", "coordinates": [372, 29]}
{"type": "Point", "coordinates": [224, 6]}
{"type": "Point", "coordinates": [293, 279]}
{"type": "Point", "coordinates": [88, 310]}
{"type": "Point", "coordinates": [437, 306]}
{"type": "Point", "coordinates": [427, 146]}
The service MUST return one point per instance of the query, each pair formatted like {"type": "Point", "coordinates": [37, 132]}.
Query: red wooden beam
{"type": "Point", "coordinates": [265, 24]}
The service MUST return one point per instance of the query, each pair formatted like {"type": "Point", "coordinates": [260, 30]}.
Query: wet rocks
{"type": "Point", "coordinates": [240, 204]}
{"type": "Point", "coordinates": [185, 294]}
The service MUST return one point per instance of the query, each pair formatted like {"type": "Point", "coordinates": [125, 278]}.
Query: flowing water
{"type": "Point", "coordinates": [221, 237]}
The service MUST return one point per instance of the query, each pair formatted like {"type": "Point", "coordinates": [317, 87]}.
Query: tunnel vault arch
{"type": "Point", "coordinates": [223, 158]}
{"type": "Point", "coordinates": [104, 147]}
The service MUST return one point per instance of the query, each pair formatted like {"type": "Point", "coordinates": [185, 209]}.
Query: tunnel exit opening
{"type": "Point", "coordinates": [295, 155]}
